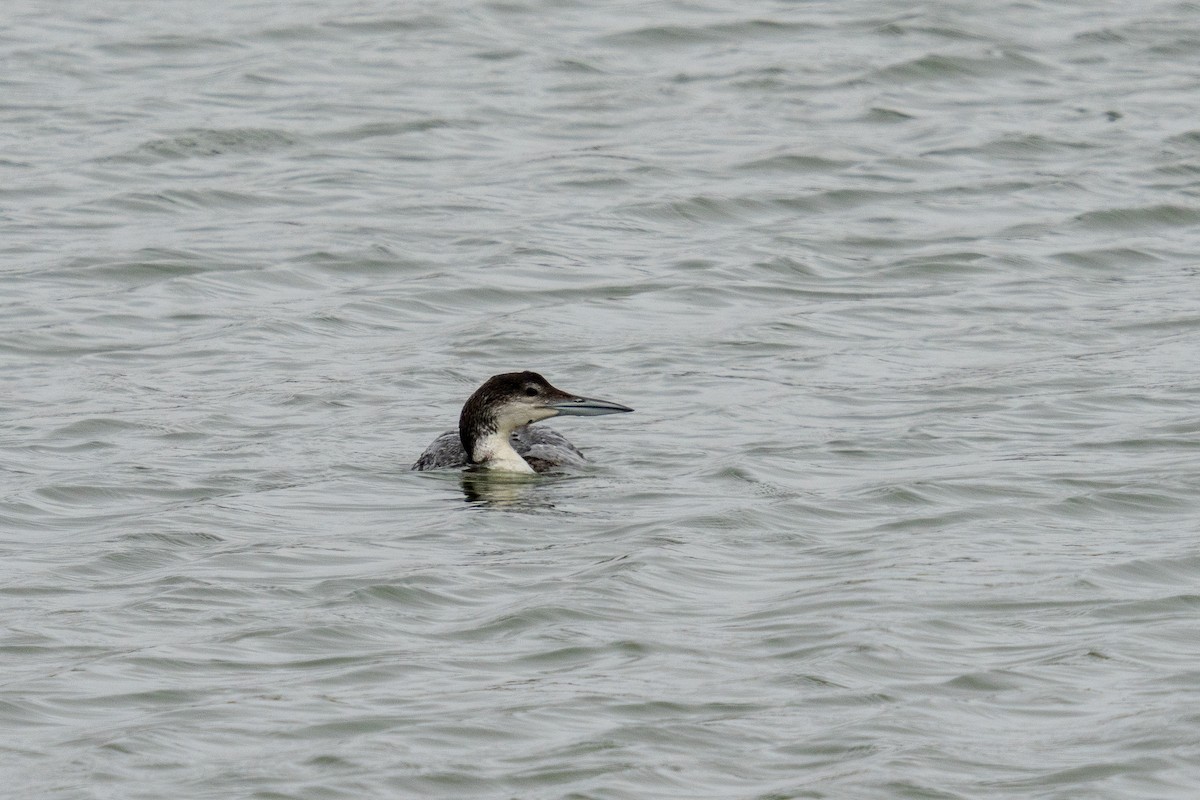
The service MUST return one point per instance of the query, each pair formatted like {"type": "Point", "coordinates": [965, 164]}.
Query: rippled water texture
{"type": "Point", "coordinates": [905, 296]}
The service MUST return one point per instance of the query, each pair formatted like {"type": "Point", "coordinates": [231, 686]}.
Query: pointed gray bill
{"type": "Point", "coordinates": [587, 407]}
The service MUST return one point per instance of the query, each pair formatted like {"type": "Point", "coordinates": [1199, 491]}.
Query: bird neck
{"type": "Point", "coordinates": [485, 437]}
{"type": "Point", "coordinates": [495, 451]}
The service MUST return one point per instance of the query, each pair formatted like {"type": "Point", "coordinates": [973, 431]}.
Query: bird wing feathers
{"type": "Point", "coordinates": [543, 448]}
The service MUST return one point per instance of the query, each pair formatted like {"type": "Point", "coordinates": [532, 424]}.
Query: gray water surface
{"type": "Point", "coordinates": [906, 296]}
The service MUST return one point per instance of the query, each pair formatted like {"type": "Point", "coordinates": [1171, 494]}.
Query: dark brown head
{"type": "Point", "coordinates": [506, 402]}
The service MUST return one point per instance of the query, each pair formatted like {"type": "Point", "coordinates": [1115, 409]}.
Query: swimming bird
{"type": "Point", "coordinates": [494, 427]}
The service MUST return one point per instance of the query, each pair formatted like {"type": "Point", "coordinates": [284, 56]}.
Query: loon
{"type": "Point", "coordinates": [494, 433]}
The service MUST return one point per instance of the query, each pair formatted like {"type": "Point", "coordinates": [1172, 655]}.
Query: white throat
{"type": "Point", "coordinates": [495, 451]}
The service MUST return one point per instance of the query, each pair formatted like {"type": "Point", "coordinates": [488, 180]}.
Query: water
{"type": "Point", "coordinates": [905, 297]}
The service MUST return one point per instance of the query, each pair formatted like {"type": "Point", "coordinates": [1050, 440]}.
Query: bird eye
{"type": "Point", "coordinates": [531, 391]}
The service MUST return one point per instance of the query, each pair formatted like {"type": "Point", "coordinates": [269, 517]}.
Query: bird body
{"type": "Point", "coordinates": [494, 428]}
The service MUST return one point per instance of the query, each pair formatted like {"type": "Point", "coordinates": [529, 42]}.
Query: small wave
{"type": "Point", "coordinates": [208, 143]}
